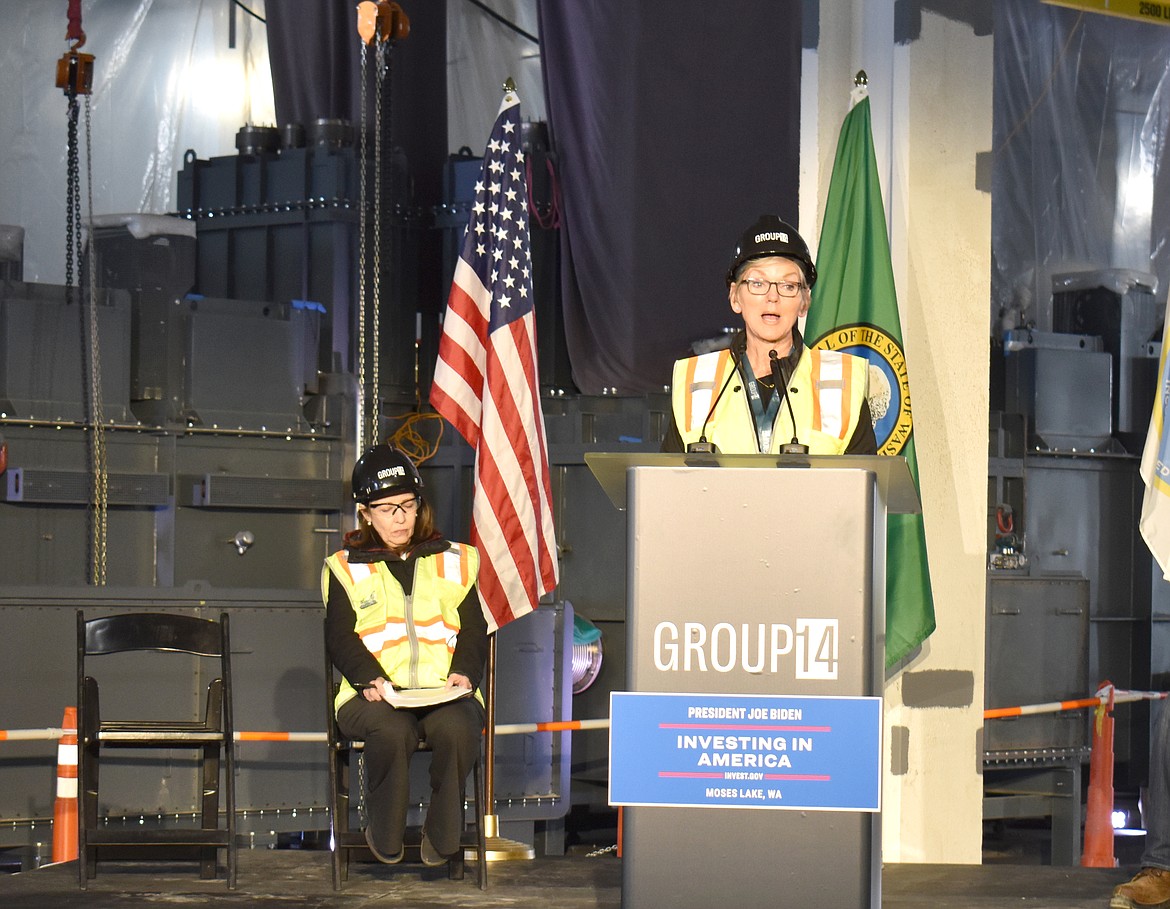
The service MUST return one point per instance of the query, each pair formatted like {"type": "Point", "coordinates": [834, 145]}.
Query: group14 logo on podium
{"type": "Point", "coordinates": [809, 651]}
{"type": "Point", "coordinates": [816, 649]}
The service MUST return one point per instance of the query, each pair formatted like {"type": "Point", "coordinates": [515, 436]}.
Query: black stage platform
{"type": "Point", "coordinates": [300, 878]}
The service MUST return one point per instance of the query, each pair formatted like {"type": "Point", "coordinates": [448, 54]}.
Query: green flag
{"type": "Point", "coordinates": [855, 309]}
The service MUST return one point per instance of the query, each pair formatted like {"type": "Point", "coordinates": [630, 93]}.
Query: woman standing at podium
{"type": "Point", "coordinates": [768, 393]}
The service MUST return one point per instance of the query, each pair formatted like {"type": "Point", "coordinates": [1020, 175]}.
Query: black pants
{"type": "Point", "coordinates": [453, 732]}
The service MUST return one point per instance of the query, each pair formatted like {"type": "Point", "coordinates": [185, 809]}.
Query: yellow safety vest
{"type": "Point", "coordinates": [412, 637]}
{"type": "Point", "coordinates": [826, 392]}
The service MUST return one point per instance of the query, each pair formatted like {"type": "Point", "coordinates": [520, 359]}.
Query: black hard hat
{"type": "Point", "coordinates": [384, 471]}
{"type": "Point", "coordinates": [770, 236]}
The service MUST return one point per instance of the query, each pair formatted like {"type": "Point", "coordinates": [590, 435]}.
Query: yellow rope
{"type": "Point", "coordinates": [412, 436]}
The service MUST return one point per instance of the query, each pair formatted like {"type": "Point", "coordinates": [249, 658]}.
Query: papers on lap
{"type": "Point", "coordinates": [425, 697]}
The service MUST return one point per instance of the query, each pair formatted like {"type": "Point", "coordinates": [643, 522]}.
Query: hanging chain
{"type": "Point", "coordinates": [72, 195]}
{"type": "Point", "coordinates": [363, 820]}
{"type": "Point", "coordinates": [75, 77]}
{"type": "Point", "coordinates": [101, 490]}
{"type": "Point", "coordinates": [363, 272]}
{"type": "Point", "coordinates": [376, 329]}
{"type": "Point", "coordinates": [84, 293]}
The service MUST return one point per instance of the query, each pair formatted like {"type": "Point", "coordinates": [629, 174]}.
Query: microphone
{"type": "Point", "coordinates": [703, 446]}
{"type": "Point", "coordinates": [781, 384]}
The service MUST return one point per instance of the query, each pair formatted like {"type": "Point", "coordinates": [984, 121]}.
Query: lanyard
{"type": "Point", "coordinates": [764, 418]}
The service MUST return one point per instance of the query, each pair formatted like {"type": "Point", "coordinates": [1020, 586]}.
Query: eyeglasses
{"type": "Point", "coordinates": [784, 288]}
{"type": "Point", "coordinates": [391, 509]}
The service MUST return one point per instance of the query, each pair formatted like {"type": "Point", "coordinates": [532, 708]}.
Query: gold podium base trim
{"type": "Point", "coordinates": [499, 848]}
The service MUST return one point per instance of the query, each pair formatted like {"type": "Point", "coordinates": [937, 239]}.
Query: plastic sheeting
{"type": "Point", "coordinates": [165, 80]}
{"type": "Point", "coordinates": [1081, 179]}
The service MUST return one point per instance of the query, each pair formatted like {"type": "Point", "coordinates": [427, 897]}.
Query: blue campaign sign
{"type": "Point", "coordinates": [745, 751]}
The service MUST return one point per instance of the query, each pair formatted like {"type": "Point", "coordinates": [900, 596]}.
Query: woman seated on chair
{"type": "Point", "coordinates": [402, 612]}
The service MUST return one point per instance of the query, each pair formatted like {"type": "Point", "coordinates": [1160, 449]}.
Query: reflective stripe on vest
{"type": "Point", "coordinates": [831, 393]}
{"type": "Point", "coordinates": [705, 376]}
{"type": "Point", "coordinates": [453, 564]}
{"type": "Point", "coordinates": [358, 571]}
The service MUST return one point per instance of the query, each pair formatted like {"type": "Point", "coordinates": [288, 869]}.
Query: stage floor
{"type": "Point", "coordinates": [300, 878]}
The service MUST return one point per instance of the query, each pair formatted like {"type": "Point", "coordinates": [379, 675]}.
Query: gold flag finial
{"type": "Point", "coordinates": [509, 85]}
{"type": "Point", "coordinates": [861, 78]}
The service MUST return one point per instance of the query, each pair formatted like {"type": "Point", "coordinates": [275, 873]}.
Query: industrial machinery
{"type": "Point", "coordinates": [1070, 585]}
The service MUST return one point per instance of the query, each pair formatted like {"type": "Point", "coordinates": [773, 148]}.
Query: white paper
{"type": "Point", "coordinates": [424, 697]}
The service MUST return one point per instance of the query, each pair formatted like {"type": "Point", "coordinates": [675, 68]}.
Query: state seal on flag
{"type": "Point", "coordinates": [889, 385]}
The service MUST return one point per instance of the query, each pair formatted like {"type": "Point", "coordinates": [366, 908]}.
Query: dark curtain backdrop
{"type": "Point", "coordinates": [315, 55]}
{"type": "Point", "coordinates": [674, 125]}
{"type": "Point", "coordinates": [314, 52]}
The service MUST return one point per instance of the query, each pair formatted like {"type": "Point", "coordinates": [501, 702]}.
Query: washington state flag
{"type": "Point", "coordinates": [855, 309]}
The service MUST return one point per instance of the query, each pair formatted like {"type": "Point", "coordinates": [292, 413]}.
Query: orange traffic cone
{"type": "Point", "coordinates": [65, 807]}
{"type": "Point", "coordinates": [1098, 852]}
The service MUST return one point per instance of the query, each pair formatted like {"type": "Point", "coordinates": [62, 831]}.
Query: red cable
{"type": "Point", "coordinates": [75, 32]}
{"type": "Point", "coordinates": [554, 216]}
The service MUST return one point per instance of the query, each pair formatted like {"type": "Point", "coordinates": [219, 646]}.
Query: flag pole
{"type": "Point", "coordinates": [499, 849]}
{"type": "Point", "coordinates": [489, 745]}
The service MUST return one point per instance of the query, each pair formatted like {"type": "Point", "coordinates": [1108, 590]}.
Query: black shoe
{"type": "Point", "coordinates": [430, 855]}
{"type": "Point", "coordinates": [379, 854]}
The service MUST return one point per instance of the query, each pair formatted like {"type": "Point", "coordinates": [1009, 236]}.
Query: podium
{"type": "Point", "coordinates": [746, 750]}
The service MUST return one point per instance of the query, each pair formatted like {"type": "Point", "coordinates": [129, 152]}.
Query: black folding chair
{"type": "Point", "coordinates": [212, 736]}
{"type": "Point", "coordinates": [342, 839]}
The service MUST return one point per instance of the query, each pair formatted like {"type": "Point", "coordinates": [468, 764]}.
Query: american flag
{"type": "Point", "coordinates": [485, 384]}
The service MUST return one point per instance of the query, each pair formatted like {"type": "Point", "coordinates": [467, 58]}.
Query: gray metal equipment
{"type": "Point", "coordinates": [41, 365]}
{"type": "Point", "coordinates": [1063, 384]}
{"type": "Point", "coordinates": [1064, 473]}
{"type": "Point", "coordinates": [1037, 652]}
{"type": "Point", "coordinates": [11, 252]}
{"type": "Point", "coordinates": [1118, 306]}
{"type": "Point", "coordinates": [1041, 623]}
